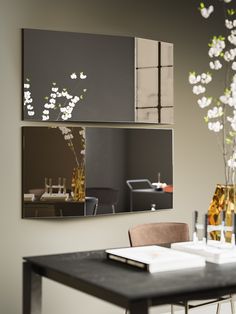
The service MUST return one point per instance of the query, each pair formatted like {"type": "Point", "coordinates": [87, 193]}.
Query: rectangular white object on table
{"type": "Point", "coordinates": [213, 251]}
{"type": "Point", "coordinates": [29, 197]}
{"type": "Point", "coordinates": [155, 258]}
{"type": "Point", "coordinates": [55, 196]}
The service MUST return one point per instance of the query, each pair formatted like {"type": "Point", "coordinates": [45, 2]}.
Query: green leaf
{"type": "Point", "coordinates": [228, 141]}
{"type": "Point", "coordinates": [202, 5]}
{"type": "Point", "coordinates": [46, 97]}
{"type": "Point", "coordinates": [206, 119]}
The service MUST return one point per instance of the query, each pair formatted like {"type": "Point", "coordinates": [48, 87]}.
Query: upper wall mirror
{"type": "Point", "coordinates": [77, 172]}
{"type": "Point", "coordinates": [96, 78]}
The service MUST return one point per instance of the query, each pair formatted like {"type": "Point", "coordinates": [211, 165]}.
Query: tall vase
{"type": "Point", "coordinates": [78, 184]}
{"type": "Point", "coordinates": [223, 200]}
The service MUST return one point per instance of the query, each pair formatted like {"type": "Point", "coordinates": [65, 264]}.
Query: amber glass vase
{"type": "Point", "coordinates": [223, 200]}
{"type": "Point", "coordinates": [78, 184]}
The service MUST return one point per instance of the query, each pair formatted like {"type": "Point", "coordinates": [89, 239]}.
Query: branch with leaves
{"type": "Point", "coordinates": [59, 99]}
{"type": "Point", "coordinates": [221, 109]}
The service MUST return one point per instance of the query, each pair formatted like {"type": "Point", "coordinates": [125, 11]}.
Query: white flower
{"type": "Point", "coordinates": [27, 94]}
{"type": "Point", "coordinates": [31, 113]}
{"type": "Point", "coordinates": [73, 76]}
{"type": "Point", "coordinates": [64, 130]}
{"type": "Point", "coordinates": [46, 112]}
{"type": "Point", "coordinates": [215, 65]}
{"type": "Point", "coordinates": [198, 89]}
{"type": "Point", "coordinates": [75, 99]}
{"type": "Point", "coordinates": [206, 78]}
{"type": "Point", "coordinates": [69, 109]}
{"type": "Point", "coordinates": [52, 101]}
{"type": "Point", "coordinates": [53, 95]}
{"type": "Point", "coordinates": [193, 79]}
{"type": "Point", "coordinates": [66, 116]}
{"type": "Point", "coordinates": [206, 12]}
{"type": "Point", "coordinates": [45, 117]}
{"type": "Point", "coordinates": [67, 137]}
{"type": "Point", "coordinates": [227, 1]}
{"type": "Point", "coordinates": [232, 38]}
{"type": "Point", "coordinates": [82, 76]}
{"type": "Point", "coordinates": [82, 152]}
{"type": "Point", "coordinates": [216, 47]}
{"type": "Point", "coordinates": [63, 109]}
{"type": "Point", "coordinates": [68, 96]}
{"type": "Point", "coordinates": [54, 89]}
{"type": "Point", "coordinates": [224, 99]}
{"type": "Point", "coordinates": [232, 102]}
{"type": "Point", "coordinates": [64, 93]}
{"type": "Point", "coordinates": [215, 126]}
{"type": "Point", "coordinates": [230, 55]}
{"type": "Point", "coordinates": [82, 133]}
{"type": "Point", "coordinates": [71, 104]}
{"type": "Point", "coordinates": [215, 112]}
{"type": "Point", "coordinates": [30, 107]}
{"type": "Point", "coordinates": [234, 66]}
{"type": "Point", "coordinates": [231, 163]}
{"type": "Point", "coordinates": [232, 121]}
{"type": "Point", "coordinates": [204, 102]}
{"type": "Point", "coordinates": [26, 85]}
{"type": "Point", "coordinates": [47, 106]}
{"type": "Point", "coordinates": [230, 24]}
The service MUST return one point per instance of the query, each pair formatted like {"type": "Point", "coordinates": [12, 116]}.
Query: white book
{"type": "Point", "coordinates": [29, 197]}
{"type": "Point", "coordinates": [155, 258]}
{"type": "Point", "coordinates": [213, 251]}
{"type": "Point", "coordinates": [55, 196]}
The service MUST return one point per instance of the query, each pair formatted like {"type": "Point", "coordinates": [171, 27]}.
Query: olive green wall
{"type": "Point", "coordinates": [197, 163]}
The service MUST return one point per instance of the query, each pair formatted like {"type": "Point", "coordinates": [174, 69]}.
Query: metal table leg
{"type": "Point", "coordinates": [140, 307]}
{"type": "Point", "coordinates": [32, 290]}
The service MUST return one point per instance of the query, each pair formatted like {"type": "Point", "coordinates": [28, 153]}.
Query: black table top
{"type": "Point", "coordinates": [121, 284]}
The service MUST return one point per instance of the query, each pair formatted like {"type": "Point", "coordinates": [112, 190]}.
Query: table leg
{"type": "Point", "coordinates": [131, 201]}
{"type": "Point", "coordinates": [140, 307]}
{"type": "Point", "coordinates": [32, 290]}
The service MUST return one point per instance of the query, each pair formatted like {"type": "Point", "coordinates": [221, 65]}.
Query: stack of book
{"type": "Point", "coordinates": [214, 251]}
{"type": "Point", "coordinates": [155, 258]}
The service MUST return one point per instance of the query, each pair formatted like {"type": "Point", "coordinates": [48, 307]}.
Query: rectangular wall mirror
{"type": "Point", "coordinates": [78, 172]}
{"type": "Point", "coordinates": [96, 78]}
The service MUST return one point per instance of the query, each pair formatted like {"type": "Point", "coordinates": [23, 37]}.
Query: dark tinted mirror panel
{"type": "Point", "coordinates": [78, 172]}
{"type": "Point", "coordinates": [96, 78]}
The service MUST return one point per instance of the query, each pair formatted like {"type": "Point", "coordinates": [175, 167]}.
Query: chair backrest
{"type": "Point", "coordinates": [139, 184]}
{"type": "Point", "coordinates": [105, 195]}
{"type": "Point", "coordinates": [158, 233]}
{"type": "Point", "coordinates": [91, 204]}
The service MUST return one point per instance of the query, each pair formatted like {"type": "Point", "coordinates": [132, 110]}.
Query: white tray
{"type": "Point", "coordinates": [213, 251]}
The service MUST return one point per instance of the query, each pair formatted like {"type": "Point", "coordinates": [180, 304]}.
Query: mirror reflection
{"type": "Point", "coordinates": [78, 172]}
{"type": "Point", "coordinates": [90, 77]}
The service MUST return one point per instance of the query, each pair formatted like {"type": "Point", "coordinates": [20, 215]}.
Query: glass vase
{"type": "Point", "coordinates": [222, 201]}
{"type": "Point", "coordinates": [78, 184]}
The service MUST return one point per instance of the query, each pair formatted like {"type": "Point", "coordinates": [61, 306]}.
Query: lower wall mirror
{"type": "Point", "coordinates": [78, 172]}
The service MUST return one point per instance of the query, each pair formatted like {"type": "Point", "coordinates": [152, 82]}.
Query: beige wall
{"type": "Point", "coordinates": [197, 164]}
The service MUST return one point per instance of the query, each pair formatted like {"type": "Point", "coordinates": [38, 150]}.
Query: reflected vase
{"type": "Point", "coordinates": [222, 201]}
{"type": "Point", "coordinates": [78, 184]}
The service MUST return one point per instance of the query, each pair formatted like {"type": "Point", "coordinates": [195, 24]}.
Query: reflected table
{"type": "Point", "coordinates": [120, 284]}
{"type": "Point", "coordinates": [163, 197]}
